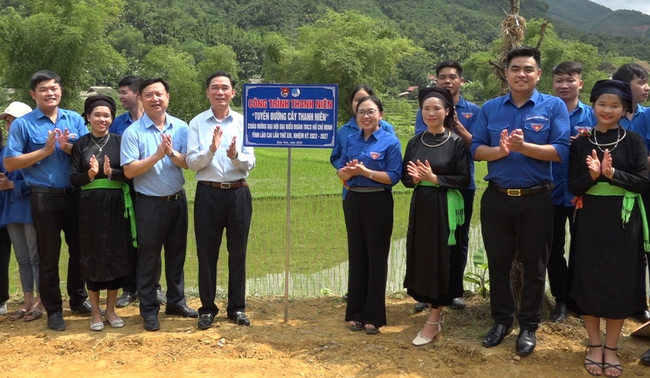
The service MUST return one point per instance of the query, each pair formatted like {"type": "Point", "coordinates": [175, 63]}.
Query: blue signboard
{"type": "Point", "coordinates": [287, 115]}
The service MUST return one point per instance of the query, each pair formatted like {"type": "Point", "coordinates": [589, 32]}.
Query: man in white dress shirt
{"type": "Point", "coordinates": [223, 200]}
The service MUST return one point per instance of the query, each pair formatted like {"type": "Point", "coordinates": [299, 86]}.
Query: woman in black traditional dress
{"type": "Point", "coordinates": [105, 209]}
{"type": "Point", "coordinates": [607, 171]}
{"type": "Point", "coordinates": [436, 164]}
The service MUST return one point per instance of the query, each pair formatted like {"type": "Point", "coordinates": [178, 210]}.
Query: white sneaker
{"type": "Point", "coordinates": [3, 308]}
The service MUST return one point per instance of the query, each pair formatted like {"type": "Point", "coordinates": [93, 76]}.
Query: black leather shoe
{"type": "Point", "coordinates": [161, 297]}
{"type": "Point", "coordinates": [83, 308]}
{"type": "Point", "coordinates": [420, 306]}
{"type": "Point", "coordinates": [55, 321]}
{"type": "Point", "coordinates": [559, 313]}
{"type": "Point", "coordinates": [526, 342]}
{"type": "Point", "coordinates": [458, 303]}
{"type": "Point", "coordinates": [205, 321]}
{"type": "Point", "coordinates": [151, 323]}
{"type": "Point", "coordinates": [495, 335]}
{"type": "Point", "coordinates": [645, 358]}
{"type": "Point", "coordinates": [642, 316]}
{"type": "Point", "coordinates": [126, 299]}
{"type": "Point", "coordinates": [183, 311]}
{"type": "Point", "coordinates": [240, 318]}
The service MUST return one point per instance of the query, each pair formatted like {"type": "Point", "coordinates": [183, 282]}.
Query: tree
{"type": "Point", "coordinates": [187, 97]}
{"type": "Point", "coordinates": [218, 58]}
{"type": "Point", "coordinates": [347, 49]}
{"type": "Point", "coordinates": [65, 36]}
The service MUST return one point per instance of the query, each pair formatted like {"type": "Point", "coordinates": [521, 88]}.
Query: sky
{"type": "Point", "coordinates": [638, 5]}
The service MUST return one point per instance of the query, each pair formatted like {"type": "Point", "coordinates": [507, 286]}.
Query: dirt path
{"type": "Point", "coordinates": [315, 343]}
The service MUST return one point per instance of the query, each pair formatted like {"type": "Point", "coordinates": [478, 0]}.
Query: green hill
{"type": "Point", "coordinates": [579, 14]}
{"type": "Point", "coordinates": [593, 18]}
{"type": "Point", "coordinates": [623, 22]}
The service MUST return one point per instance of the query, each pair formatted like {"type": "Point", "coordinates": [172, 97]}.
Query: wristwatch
{"type": "Point", "coordinates": [172, 154]}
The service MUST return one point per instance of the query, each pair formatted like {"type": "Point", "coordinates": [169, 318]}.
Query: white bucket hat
{"type": "Point", "coordinates": [16, 109]}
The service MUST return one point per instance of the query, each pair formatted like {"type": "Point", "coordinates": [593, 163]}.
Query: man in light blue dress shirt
{"type": "Point", "coordinates": [129, 88]}
{"type": "Point", "coordinates": [223, 200]}
{"type": "Point", "coordinates": [153, 154]}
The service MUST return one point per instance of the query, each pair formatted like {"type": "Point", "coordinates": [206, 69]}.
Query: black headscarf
{"type": "Point", "coordinates": [445, 96]}
{"type": "Point", "coordinates": [616, 87]}
{"type": "Point", "coordinates": [98, 100]}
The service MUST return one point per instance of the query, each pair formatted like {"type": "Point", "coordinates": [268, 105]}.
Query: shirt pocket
{"type": "Point", "coordinates": [494, 132]}
{"type": "Point", "coordinates": [536, 132]}
{"type": "Point", "coordinates": [38, 141]}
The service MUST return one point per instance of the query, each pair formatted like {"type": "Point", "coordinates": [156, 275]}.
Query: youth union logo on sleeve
{"type": "Point", "coordinates": [375, 155]}
{"type": "Point", "coordinates": [584, 130]}
{"type": "Point", "coordinates": [467, 115]}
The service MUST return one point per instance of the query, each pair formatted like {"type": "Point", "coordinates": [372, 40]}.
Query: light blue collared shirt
{"type": "Point", "coordinates": [217, 166]}
{"type": "Point", "coordinates": [29, 133]}
{"type": "Point", "coordinates": [141, 140]}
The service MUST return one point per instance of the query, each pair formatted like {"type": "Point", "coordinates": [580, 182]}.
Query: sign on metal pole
{"type": "Point", "coordinates": [290, 116]}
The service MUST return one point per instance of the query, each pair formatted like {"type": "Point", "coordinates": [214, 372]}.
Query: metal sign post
{"type": "Point", "coordinates": [290, 116]}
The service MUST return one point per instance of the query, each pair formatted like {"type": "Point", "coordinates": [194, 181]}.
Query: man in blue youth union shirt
{"type": "Point", "coordinates": [519, 134]}
{"type": "Point", "coordinates": [40, 144]}
{"type": "Point", "coordinates": [153, 154]}
{"type": "Point", "coordinates": [567, 83]}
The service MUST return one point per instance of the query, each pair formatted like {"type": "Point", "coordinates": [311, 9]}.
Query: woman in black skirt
{"type": "Point", "coordinates": [105, 230]}
{"type": "Point", "coordinates": [436, 164]}
{"type": "Point", "coordinates": [607, 171]}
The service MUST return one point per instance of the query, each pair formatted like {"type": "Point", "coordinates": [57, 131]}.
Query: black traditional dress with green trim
{"type": "Point", "coordinates": [105, 233]}
{"type": "Point", "coordinates": [431, 260]}
{"type": "Point", "coordinates": [609, 228]}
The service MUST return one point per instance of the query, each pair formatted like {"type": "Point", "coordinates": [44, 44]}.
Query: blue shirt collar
{"type": "Point", "coordinates": [376, 135]}
{"type": "Point", "coordinates": [581, 107]}
{"type": "Point", "coordinates": [462, 103]}
{"type": "Point", "coordinates": [148, 123]}
{"type": "Point", "coordinates": [39, 113]}
{"type": "Point", "coordinates": [638, 109]}
{"type": "Point", "coordinates": [534, 98]}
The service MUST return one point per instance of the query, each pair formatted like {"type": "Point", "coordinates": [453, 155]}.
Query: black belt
{"type": "Point", "coordinates": [537, 189]}
{"type": "Point", "coordinates": [169, 198]}
{"type": "Point", "coordinates": [225, 185]}
{"type": "Point", "coordinates": [40, 189]}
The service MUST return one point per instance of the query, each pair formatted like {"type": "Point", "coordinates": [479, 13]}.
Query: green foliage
{"type": "Point", "coordinates": [345, 49]}
{"type": "Point", "coordinates": [65, 36]}
{"type": "Point", "coordinates": [555, 50]}
{"type": "Point", "coordinates": [220, 57]}
{"type": "Point", "coordinates": [480, 280]}
{"type": "Point", "coordinates": [187, 96]}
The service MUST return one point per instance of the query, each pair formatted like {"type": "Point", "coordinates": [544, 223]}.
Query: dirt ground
{"type": "Point", "coordinates": [314, 343]}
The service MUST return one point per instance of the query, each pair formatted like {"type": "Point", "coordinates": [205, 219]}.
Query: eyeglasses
{"type": "Point", "coordinates": [369, 113]}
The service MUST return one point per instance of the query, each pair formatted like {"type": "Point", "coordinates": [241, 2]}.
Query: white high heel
{"type": "Point", "coordinates": [421, 340]}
